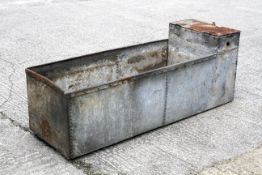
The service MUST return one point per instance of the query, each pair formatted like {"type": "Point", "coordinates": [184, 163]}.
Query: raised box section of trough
{"type": "Point", "coordinates": [83, 104]}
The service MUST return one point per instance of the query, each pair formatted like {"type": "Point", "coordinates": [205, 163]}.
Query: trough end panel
{"type": "Point", "coordinates": [48, 117]}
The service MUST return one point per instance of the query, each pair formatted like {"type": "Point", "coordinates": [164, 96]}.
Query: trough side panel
{"type": "Point", "coordinates": [114, 114]}
{"type": "Point", "coordinates": [200, 87]}
{"type": "Point", "coordinates": [48, 115]}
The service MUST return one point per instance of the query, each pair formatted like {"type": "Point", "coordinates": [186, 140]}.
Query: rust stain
{"type": "Point", "coordinates": [149, 61]}
{"type": "Point", "coordinates": [153, 54]}
{"type": "Point", "coordinates": [46, 131]}
{"type": "Point", "coordinates": [39, 78]}
{"type": "Point", "coordinates": [211, 28]}
{"type": "Point", "coordinates": [135, 59]}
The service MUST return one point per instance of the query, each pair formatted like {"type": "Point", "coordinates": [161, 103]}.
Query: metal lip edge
{"type": "Point", "coordinates": [43, 79]}
{"type": "Point", "coordinates": [135, 77]}
{"type": "Point", "coordinates": [100, 52]}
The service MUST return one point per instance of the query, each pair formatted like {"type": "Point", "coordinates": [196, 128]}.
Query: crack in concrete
{"type": "Point", "coordinates": [10, 81]}
{"type": "Point", "coordinates": [3, 116]}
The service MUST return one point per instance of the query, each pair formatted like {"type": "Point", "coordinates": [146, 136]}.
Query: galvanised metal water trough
{"type": "Point", "coordinates": [82, 104]}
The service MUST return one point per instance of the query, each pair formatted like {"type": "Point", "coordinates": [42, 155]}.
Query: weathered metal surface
{"type": "Point", "coordinates": [83, 104]}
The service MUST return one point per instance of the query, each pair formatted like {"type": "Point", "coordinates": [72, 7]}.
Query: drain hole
{"type": "Point", "coordinates": [228, 43]}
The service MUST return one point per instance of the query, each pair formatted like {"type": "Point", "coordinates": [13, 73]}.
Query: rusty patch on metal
{"type": "Point", "coordinates": [39, 78]}
{"type": "Point", "coordinates": [45, 128]}
{"type": "Point", "coordinates": [213, 29]}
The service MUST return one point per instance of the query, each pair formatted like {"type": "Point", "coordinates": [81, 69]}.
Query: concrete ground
{"type": "Point", "coordinates": [248, 163]}
{"type": "Point", "coordinates": [39, 31]}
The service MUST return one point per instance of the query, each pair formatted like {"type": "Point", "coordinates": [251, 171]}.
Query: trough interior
{"type": "Point", "coordinates": [104, 67]}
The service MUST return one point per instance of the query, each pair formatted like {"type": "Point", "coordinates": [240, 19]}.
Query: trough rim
{"type": "Point", "coordinates": [39, 77]}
